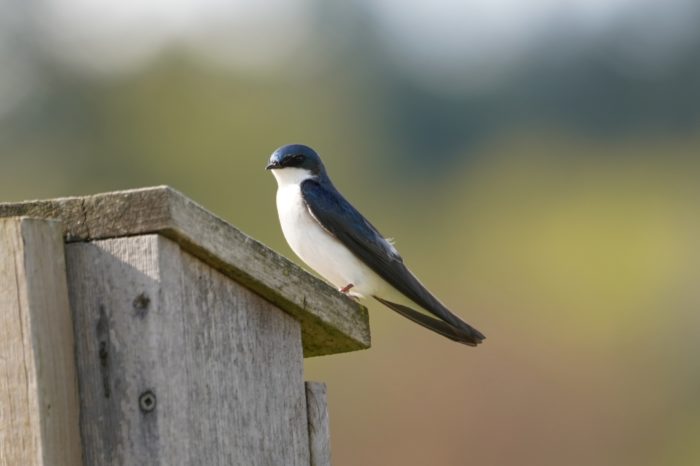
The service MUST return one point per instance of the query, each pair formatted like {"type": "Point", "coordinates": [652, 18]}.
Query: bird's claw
{"type": "Point", "coordinates": [346, 288]}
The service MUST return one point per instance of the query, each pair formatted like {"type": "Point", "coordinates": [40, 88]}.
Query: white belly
{"type": "Point", "coordinates": [321, 251]}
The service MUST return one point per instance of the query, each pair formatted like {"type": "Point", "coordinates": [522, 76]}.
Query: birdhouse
{"type": "Point", "coordinates": [137, 328]}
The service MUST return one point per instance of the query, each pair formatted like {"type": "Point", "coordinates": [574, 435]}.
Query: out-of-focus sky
{"type": "Point", "coordinates": [536, 162]}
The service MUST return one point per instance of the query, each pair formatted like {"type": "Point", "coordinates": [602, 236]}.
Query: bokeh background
{"type": "Point", "coordinates": [536, 162]}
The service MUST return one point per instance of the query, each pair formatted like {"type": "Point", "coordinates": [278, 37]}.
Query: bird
{"type": "Point", "coordinates": [339, 243]}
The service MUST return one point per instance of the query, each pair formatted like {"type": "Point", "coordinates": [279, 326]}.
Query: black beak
{"type": "Point", "coordinates": [272, 165]}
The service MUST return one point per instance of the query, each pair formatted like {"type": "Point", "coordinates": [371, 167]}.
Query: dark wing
{"type": "Point", "coordinates": [436, 325]}
{"type": "Point", "coordinates": [344, 222]}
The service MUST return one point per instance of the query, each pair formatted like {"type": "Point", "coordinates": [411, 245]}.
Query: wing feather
{"type": "Point", "coordinates": [343, 221]}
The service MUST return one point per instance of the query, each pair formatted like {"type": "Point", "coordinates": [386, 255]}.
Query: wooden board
{"type": "Point", "coordinates": [319, 428]}
{"type": "Point", "coordinates": [330, 322]}
{"type": "Point", "coordinates": [179, 364]}
{"type": "Point", "coordinates": [38, 383]}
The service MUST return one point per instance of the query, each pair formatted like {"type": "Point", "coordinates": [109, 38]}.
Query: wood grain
{"type": "Point", "coordinates": [319, 428]}
{"type": "Point", "coordinates": [179, 364]}
{"type": "Point", "coordinates": [38, 383]}
{"type": "Point", "coordinates": [330, 322]}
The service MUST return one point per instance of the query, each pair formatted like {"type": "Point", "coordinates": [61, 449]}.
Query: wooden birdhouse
{"type": "Point", "coordinates": [137, 328]}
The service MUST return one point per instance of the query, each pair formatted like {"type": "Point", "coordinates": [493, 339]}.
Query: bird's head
{"type": "Point", "coordinates": [295, 162]}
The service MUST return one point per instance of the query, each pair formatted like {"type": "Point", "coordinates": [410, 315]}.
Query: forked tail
{"type": "Point", "coordinates": [465, 333]}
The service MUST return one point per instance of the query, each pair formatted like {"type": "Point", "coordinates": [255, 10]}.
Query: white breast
{"type": "Point", "coordinates": [314, 245]}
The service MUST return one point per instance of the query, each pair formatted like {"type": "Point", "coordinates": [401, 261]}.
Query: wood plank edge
{"type": "Point", "coordinates": [101, 216]}
{"type": "Point", "coordinates": [319, 337]}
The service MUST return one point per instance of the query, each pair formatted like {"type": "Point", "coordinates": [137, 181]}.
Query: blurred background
{"type": "Point", "coordinates": [537, 163]}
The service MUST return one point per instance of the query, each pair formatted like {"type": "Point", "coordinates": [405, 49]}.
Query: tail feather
{"type": "Point", "coordinates": [465, 334]}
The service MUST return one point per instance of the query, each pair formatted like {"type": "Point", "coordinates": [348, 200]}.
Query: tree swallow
{"type": "Point", "coordinates": [334, 239]}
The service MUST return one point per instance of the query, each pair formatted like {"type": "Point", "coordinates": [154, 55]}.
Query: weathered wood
{"type": "Point", "coordinates": [330, 322]}
{"type": "Point", "coordinates": [319, 429]}
{"type": "Point", "coordinates": [179, 364]}
{"type": "Point", "coordinates": [38, 384]}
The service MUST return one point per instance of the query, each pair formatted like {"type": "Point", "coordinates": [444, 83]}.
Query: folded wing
{"type": "Point", "coordinates": [343, 221]}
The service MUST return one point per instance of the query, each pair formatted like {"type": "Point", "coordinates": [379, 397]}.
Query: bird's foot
{"type": "Point", "coordinates": [346, 288]}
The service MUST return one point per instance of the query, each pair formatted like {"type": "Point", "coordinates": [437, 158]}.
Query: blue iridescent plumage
{"type": "Point", "coordinates": [335, 216]}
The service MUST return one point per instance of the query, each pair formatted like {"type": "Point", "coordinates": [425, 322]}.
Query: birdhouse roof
{"type": "Point", "coordinates": [330, 322]}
